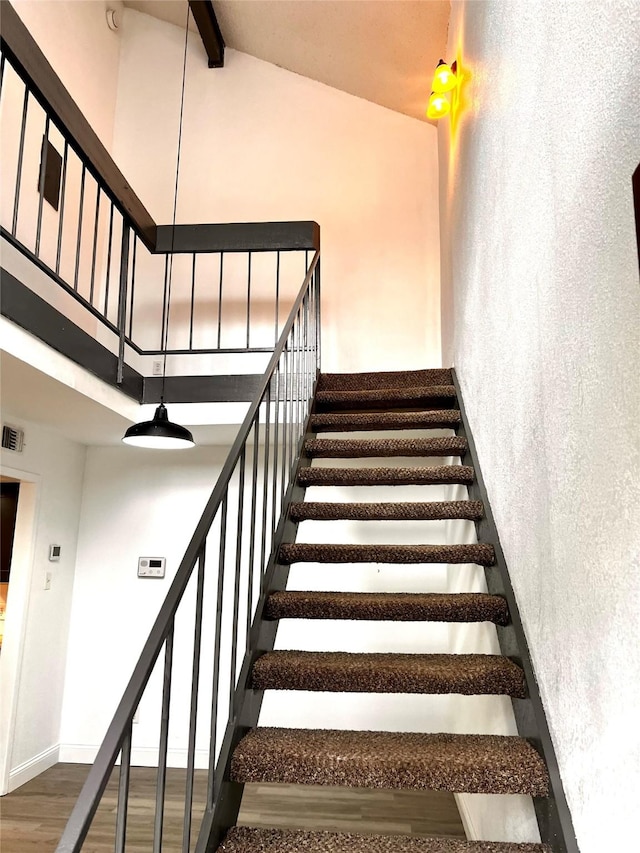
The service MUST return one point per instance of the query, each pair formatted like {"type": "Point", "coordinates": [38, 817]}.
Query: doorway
{"type": "Point", "coordinates": [21, 489]}
{"type": "Point", "coordinates": [9, 492]}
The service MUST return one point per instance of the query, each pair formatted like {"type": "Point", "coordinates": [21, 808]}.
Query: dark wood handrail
{"type": "Point", "coordinates": [239, 237]}
{"type": "Point", "coordinates": [20, 46]}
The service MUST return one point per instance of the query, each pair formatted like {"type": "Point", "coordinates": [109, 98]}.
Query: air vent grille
{"type": "Point", "coordinates": [12, 438]}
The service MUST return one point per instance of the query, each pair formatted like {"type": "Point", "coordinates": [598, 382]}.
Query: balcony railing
{"type": "Point", "coordinates": [194, 290]}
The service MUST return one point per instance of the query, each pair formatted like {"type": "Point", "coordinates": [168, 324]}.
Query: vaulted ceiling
{"type": "Point", "coordinates": [384, 51]}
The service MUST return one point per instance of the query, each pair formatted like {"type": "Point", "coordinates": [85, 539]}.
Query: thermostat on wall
{"type": "Point", "coordinates": [54, 553]}
{"type": "Point", "coordinates": [151, 567]}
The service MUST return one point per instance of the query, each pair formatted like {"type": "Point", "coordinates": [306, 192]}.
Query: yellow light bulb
{"type": "Point", "coordinates": [444, 80]}
{"type": "Point", "coordinates": [438, 107]}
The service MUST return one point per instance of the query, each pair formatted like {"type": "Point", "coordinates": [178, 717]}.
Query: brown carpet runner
{"type": "Point", "coordinates": [344, 672]}
{"type": "Point", "coordinates": [385, 397]}
{"type": "Point", "coordinates": [245, 839]}
{"type": "Point", "coordinates": [430, 475]}
{"type": "Point", "coordinates": [434, 510]}
{"type": "Point", "coordinates": [343, 449]}
{"type": "Point", "coordinates": [340, 422]}
{"type": "Point", "coordinates": [302, 552]}
{"type": "Point", "coordinates": [388, 606]}
{"type": "Point", "coordinates": [388, 379]}
{"type": "Point", "coordinates": [476, 764]}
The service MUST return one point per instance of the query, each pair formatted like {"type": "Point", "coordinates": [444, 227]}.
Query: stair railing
{"type": "Point", "coordinates": [210, 605]}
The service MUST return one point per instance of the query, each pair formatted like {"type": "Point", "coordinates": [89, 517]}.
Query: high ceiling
{"type": "Point", "coordinates": [382, 50]}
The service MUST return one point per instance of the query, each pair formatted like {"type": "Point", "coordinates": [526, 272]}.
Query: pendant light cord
{"type": "Point", "coordinates": [165, 342]}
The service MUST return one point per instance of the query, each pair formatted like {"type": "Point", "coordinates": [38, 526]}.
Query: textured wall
{"type": "Point", "coordinates": [541, 303]}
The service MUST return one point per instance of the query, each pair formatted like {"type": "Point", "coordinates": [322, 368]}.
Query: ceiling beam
{"type": "Point", "coordinates": [207, 23]}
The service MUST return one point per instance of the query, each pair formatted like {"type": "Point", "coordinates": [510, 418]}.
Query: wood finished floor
{"type": "Point", "coordinates": [33, 817]}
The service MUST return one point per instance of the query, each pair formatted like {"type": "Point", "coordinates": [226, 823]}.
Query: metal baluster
{"type": "Point", "coordinates": [265, 481]}
{"type": "Point", "coordinates": [122, 299]}
{"type": "Point", "coordinates": [23, 127]}
{"type": "Point", "coordinates": [193, 711]}
{"type": "Point", "coordinates": [236, 589]}
{"type": "Point", "coordinates": [276, 438]}
{"type": "Point", "coordinates": [285, 424]}
{"type": "Point", "coordinates": [108, 271]}
{"type": "Point", "coordinates": [123, 793]}
{"type": "Point", "coordinates": [318, 317]}
{"type": "Point", "coordinates": [43, 171]}
{"type": "Point", "coordinates": [305, 353]}
{"type": "Point", "coordinates": [133, 284]}
{"type": "Point", "coordinates": [298, 379]}
{"type": "Point", "coordinates": [193, 294]}
{"type": "Point", "coordinates": [220, 300]}
{"type": "Point", "coordinates": [275, 338]}
{"type": "Point", "coordinates": [248, 299]}
{"type": "Point", "coordinates": [164, 304]}
{"type": "Point", "coordinates": [161, 782]}
{"type": "Point", "coordinates": [95, 247]}
{"type": "Point", "coordinates": [252, 532]}
{"type": "Point", "coordinates": [62, 195]}
{"type": "Point", "coordinates": [290, 383]}
{"type": "Point", "coordinates": [80, 214]}
{"type": "Point", "coordinates": [211, 792]}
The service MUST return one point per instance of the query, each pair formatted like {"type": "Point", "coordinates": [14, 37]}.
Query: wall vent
{"type": "Point", "coordinates": [12, 438]}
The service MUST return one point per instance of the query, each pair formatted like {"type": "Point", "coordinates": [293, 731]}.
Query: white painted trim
{"type": "Point", "coordinates": [17, 612]}
{"type": "Point", "coordinates": [465, 817]}
{"type": "Point", "coordinates": [28, 770]}
{"type": "Point", "coordinates": [141, 756]}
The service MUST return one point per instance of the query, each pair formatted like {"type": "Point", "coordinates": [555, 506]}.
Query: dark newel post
{"type": "Point", "coordinates": [122, 299]}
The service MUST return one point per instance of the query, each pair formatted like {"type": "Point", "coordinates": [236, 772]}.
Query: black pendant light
{"type": "Point", "coordinates": [160, 433]}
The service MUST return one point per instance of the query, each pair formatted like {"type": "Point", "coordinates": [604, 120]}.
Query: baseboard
{"type": "Point", "coordinates": [465, 817]}
{"type": "Point", "coordinates": [28, 770]}
{"type": "Point", "coordinates": [141, 756]}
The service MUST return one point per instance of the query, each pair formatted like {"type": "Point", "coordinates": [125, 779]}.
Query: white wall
{"type": "Point", "coordinates": [133, 506]}
{"type": "Point", "coordinates": [55, 466]}
{"type": "Point", "coordinates": [540, 318]}
{"type": "Point", "coordinates": [261, 143]}
{"type": "Point", "coordinates": [83, 51]}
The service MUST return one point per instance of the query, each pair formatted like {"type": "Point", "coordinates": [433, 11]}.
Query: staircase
{"type": "Point", "coordinates": [350, 403]}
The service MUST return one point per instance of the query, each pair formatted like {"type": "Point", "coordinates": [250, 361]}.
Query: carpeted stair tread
{"type": "Point", "coordinates": [480, 764]}
{"type": "Point", "coordinates": [429, 511]}
{"type": "Point", "coordinates": [386, 379]}
{"type": "Point", "coordinates": [351, 449]}
{"type": "Point", "coordinates": [247, 839]}
{"type": "Point", "coordinates": [345, 672]}
{"type": "Point", "coordinates": [384, 397]}
{"type": "Point", "coordinates": [419, 476]}
{"type": "Point", "coordinates": [388, 606]}
{"type": "Point", "coordinates": [481, 553]}
{"type": "Point", "coordinates": [343, 422]}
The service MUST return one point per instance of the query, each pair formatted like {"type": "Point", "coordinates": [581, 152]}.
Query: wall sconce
{"type": "Point", "coordinates": [444, 80]}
